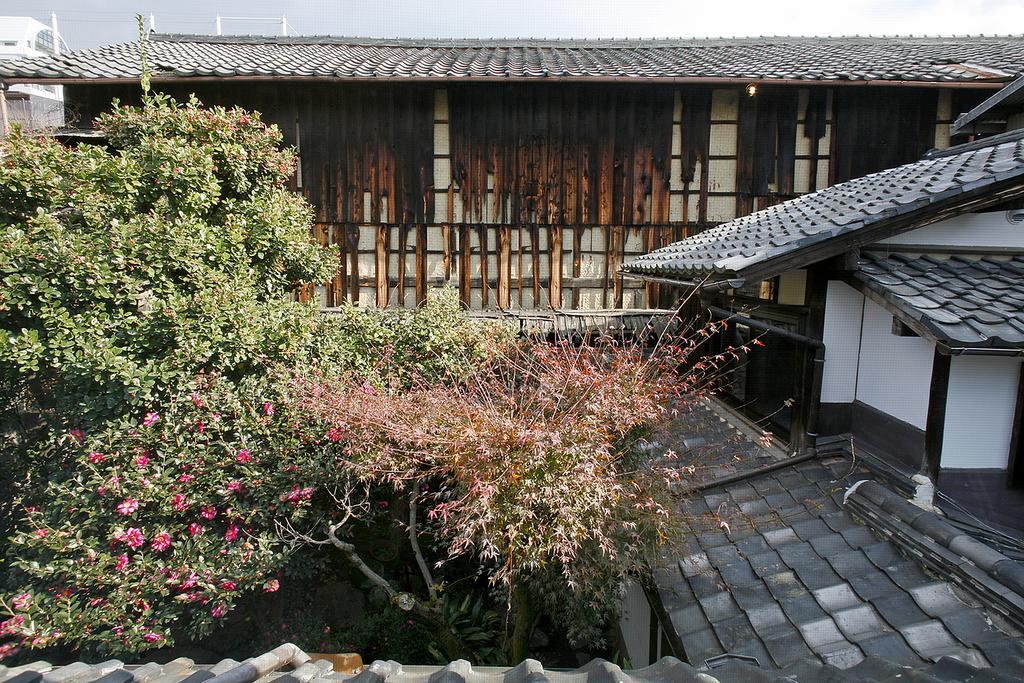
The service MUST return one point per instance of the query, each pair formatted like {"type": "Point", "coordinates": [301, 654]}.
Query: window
{"type": "Point", "coordinates": [44, 41]}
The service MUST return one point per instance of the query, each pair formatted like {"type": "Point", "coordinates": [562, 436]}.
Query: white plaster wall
{"type": "Point", "coordinates": [793, 287]}
{"type": "Point", "coordinates": [987, 229]}
{"type": "Point", "coordinates": [895, 372]}
{"type": "Point", "coordinates": [979, 411]}
{"type": "Point", "coordinates": [843, 308]}
{"type": "Point", "coordinates": [635, 625]}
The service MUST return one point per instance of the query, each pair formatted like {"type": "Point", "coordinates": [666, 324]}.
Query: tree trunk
{"type": "Point", "coordinates": [523, 623]}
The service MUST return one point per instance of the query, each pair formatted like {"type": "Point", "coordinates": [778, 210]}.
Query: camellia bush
{"type": "Point", "coordinates": [148, 331]}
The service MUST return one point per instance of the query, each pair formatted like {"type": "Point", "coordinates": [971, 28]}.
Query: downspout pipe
{"type": "Point", "coordinates": [817, 366]}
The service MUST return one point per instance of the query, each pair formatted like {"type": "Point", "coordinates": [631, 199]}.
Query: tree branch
{"type": "Point", "coordinates": [415, 543]}
{"type": "Point", "coordinates": [350, 553]}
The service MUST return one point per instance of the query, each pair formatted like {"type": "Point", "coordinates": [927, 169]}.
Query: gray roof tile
{"type": "Point", "coordinates": [826, 599]}
{"type": "Point", "coordinates": [946, 59]}
{"type": "Point", "coordinates": [969, 301]}
{"type": "Point", "coordinates": [830, 219]}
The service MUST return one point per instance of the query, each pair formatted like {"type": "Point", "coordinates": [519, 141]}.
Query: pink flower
{"type": "Point", "coordinates": [189, 582]}
{"type": "Point", "coordinates": [383, 505]}
{"type": "Point", "coordinates": [42, 533]}
{"type": "Point", "coordinates": [96, 458]}
{"type": "Point", "coordinates": [161, 542]}
{"type": "Point", "coordinates": [228, 585]}
{"type": "Point", "coordinates": [152, 637]}
{"type": "Point", "coordinates": [11, 625]}
{"type": "Point", "coordinates": [150, 419]}
{"type": "Point", "coordinates": [195, 529]}
{"type": "Point", "coordinates": [196, 400]}
{"type": "Point", "coordinates": [271, 586]}
{"type": "Point", "coordinates": [186, 479]}
{"type": "Point", "coordinates": [141, 461]}
{"type": "Point", "coordinates": [268, 408]}
{"type": "Point", "coordinates": [368, 389]}
{"type": "Point", "coordinates": [334, 434]}
{"type": "Point", "coordinates": [297, 494]}
{"type": "Point", "coordinates": [179, 502]}
{"type": "Point", "coordinates": [78, 435]}
{"type": "Point", "coordinates": [21, 601]}
{"type": "Point", "coordinates": [133, 538]}
{"type": "Point", "coordinates": [122, 562]}
{"type": "Point", "coordinates": [235, 486]}
{"type": "Point", "coordinates": [218, 610]}
{"type": "Point", "coordinates": [208, 512]}
{"type": "Point", "coordinates": [200, 426]}
{"type": "Point", "coordinates": [231, 534]}
{"type": "Point", "coordinates": [244, 456]}
{"type": "Point", "coordinates": [128, 506]}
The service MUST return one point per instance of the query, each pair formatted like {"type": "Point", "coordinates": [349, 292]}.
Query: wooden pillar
{"type": "Point", "coordinates": [935, 422]}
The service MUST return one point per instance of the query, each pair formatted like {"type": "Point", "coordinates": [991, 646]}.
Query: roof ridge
{"type": "Point", "coordinates": [528, 41]}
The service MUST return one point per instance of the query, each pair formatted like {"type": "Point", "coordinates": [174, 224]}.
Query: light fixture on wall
{"type": "Point", "coordinates": [751, 89]}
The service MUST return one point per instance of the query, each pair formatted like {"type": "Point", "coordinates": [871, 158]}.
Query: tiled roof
{"type": "Point", "coordinates": [289, 664]}
{"type": "Point", "coordinates": [778, 568]}
{"type": "Point", "coordinates": [961, 300]}
{"type": "Point", "coordinates": [950, 59]}
{"type": "Point", "coordinates": [827, 222]}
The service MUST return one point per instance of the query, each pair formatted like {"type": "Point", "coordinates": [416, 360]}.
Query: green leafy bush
{"type": "Point", "coordinates": [128, 270]}
{"type": "Point", "coordinates": [148, 341]}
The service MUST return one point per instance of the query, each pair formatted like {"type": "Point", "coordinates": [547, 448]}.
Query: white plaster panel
{"type": "Point", "coordinates": [987, 229]}
{"type": "Point", "coordinates": [894, 372]}
{"type": "Point", "coordinates": [980, 406]}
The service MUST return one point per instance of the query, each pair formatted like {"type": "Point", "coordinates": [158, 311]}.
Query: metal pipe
{"type": "Point", "coordinates": [711, 286]}
{"type": "Point", "coordinates": [767, 327]}
{"type": "Point", "coordinates": [741, 476]}
{"type": "Point", "coordinates": [814, 400]}
{"type": "Point", "coordinates": [5, 125]}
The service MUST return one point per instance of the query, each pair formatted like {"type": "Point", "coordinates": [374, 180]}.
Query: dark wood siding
{"type": "Point", "coordinates": [532, 195]}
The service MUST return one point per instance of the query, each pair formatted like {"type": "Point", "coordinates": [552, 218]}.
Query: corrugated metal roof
{"type": "Point", "coordinates": [860, 59]}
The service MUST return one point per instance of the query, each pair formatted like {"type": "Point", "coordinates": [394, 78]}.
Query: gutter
{"type": "Point", "coordinates": [947, 350]}
{"type": "Point", "coordinates": [991, 84]}
{"type": "Point", "coordinates": [706, 285]}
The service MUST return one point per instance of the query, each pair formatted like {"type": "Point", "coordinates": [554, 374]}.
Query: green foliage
{"type": "Point", "coordinates": [165, 519]}
{"type": "Point", "coordinates": [129, 270]}
{"type": "Point", "coordinates": [148, 343]}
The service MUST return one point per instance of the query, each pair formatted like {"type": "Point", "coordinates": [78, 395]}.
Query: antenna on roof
{"type": "Point", "coordinates": [56, 33]}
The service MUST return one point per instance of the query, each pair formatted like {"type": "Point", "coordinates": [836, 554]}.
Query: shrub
{"type": "Point", "coordinates": [153, 277]}
{"type": "Point", "coordinates": [126, 271]}
{"type": "Point", "coordinates": [534, 464]}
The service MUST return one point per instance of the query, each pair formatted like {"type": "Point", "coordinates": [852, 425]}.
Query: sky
{"type": "Point", "coordinates": [88, 23]}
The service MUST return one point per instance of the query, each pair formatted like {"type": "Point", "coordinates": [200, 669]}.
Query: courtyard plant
{"type": "Point", "coordinates": [179, 428]}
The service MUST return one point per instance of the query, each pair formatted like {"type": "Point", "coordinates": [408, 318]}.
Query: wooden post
{"type": "Point", "coordinates": [935, 422]}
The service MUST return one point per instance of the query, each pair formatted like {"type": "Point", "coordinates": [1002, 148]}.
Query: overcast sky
{"type": "Point", "coordinates": [86, 23]}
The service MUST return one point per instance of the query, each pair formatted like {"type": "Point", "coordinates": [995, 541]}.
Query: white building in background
{"type": "Point", "coordinates": [32, 106]}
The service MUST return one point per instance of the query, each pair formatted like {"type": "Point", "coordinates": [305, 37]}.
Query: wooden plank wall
{"type": "Point", "coordinates": [532, 195]}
